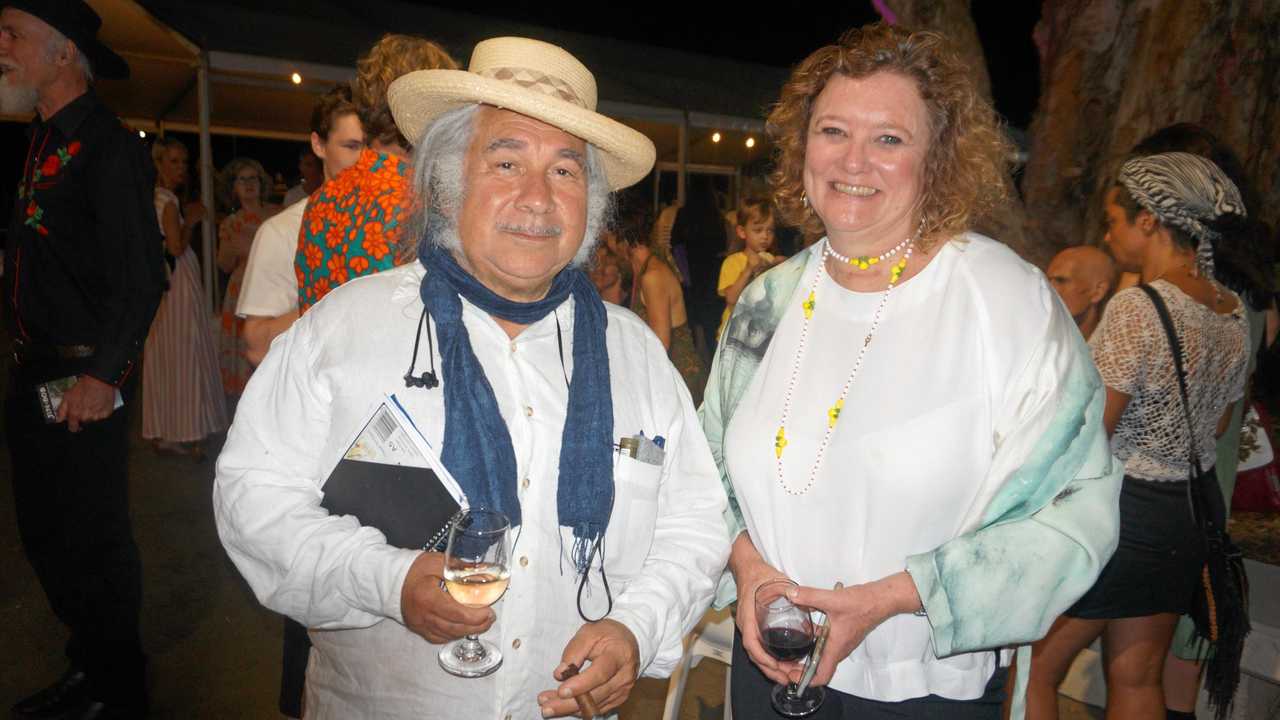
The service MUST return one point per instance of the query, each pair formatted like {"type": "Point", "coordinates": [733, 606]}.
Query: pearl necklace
{"type": "Point", "coordinates": [833, 413]}
{"type": "Point", "coordinates": [865, 262]}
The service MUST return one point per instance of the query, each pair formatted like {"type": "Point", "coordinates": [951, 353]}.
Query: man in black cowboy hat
{"type": "Point", "coordinates": [83, 275]}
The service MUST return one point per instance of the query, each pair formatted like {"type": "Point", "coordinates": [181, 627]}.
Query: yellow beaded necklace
{"type": "Point", "coordinates": [833, 413]}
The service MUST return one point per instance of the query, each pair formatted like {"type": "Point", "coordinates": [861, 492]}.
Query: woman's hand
{"type": "Point", "coordinates": [750, 571]}
{"type": "Point", "coordinates": [853, 612]}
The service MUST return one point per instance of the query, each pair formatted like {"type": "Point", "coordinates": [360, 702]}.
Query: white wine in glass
{"type": "Point", "coordinates": [476, 573]}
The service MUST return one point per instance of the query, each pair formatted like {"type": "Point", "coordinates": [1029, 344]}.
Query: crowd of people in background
{"type": "Point", "coordinates": [1116, 382]}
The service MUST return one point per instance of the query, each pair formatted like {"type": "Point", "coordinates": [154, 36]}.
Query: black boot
{"type": "Point", "coordinates": [61, 699]}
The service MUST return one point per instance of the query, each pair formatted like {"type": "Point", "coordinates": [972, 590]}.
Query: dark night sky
{"type": "Point", "coordinates": [780, 37]}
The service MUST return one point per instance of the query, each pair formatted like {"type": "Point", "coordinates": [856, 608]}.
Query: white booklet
{"type": "Point", "coordinates": [389, 436]}
{"type": "Point", "coordinates": [392, 479]}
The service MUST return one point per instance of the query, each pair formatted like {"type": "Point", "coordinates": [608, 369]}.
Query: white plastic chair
{"type": "Point", "coordinates": [711, 638]}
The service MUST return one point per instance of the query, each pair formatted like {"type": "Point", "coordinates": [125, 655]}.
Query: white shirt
{"type": "Point", "coordinates": [665, 545]}
{"type": "Point", "coordinates": [270, 286]}
{"type": "Point", "coordinates": [910, 461]}
{"type": "Point", "coordinates": [295, 194]}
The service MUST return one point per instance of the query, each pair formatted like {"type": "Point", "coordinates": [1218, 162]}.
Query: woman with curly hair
{"type": "Point", "coordinates": [358, 222]}
{"type": "Point", "coordinates": [243, 185]}
{"type": "Point", "coordinates": [903, 411]}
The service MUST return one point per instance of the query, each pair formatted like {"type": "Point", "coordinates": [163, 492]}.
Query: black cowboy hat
{"type": "Point", "coordinates": [79, 23]}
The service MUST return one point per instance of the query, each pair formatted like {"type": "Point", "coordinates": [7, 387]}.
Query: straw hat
{"type": "Point", "coordinates": [532, 78]}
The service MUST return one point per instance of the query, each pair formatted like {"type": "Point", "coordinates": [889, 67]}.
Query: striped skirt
{"type": "Point", "coordinates": [182, 399]}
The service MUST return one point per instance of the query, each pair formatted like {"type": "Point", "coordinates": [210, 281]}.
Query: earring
{"type": "Point", "coordinates": [804, 200]}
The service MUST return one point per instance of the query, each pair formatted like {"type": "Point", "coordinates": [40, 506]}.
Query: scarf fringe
{"type": "Point", "coordinates": [586, 543]}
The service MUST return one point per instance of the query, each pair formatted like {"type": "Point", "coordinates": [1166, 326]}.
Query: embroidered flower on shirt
{"type": "Point", "coordinates": [51, 166]}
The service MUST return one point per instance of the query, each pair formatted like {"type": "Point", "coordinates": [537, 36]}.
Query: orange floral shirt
{"type": "Point", "coordinates": [353, 225]}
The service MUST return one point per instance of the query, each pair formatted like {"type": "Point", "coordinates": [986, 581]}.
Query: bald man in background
{"type": "Point", "coordinates": [1083, 276]}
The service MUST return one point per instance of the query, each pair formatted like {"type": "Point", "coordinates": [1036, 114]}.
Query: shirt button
{"type": "Point", "coordinates": [515, 644]}
{"type": "Point", "coordinates": [524, 561]}
{"type": "Point", "coordinates": [524, 483]}
{"type": "Point", "coordinates": [528, 411]}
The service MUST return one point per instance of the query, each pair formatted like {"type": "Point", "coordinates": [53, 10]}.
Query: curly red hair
{"type": "Point", "coordinates": [965, 167]}
{"type": "Point", "coordinates": [389, 58]}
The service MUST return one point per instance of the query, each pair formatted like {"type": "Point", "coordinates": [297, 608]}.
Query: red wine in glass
{"type": "Point", "coordinates": [788, 634]}
{"type": "Point", "coordinates": [788, 644]}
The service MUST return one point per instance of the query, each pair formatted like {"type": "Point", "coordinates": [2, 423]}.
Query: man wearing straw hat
{"type": "Point", "coordinates": [527, 384]}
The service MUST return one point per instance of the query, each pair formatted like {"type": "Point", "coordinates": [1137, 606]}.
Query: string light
{"type": "Point", "coordinates": [715, 137]}
{"type": "Point", "coordinates": [751, 142]}
{"type": "Point", "coordinates": [142, 134]}
{"type": "Point", "coordinates": [296, 78]}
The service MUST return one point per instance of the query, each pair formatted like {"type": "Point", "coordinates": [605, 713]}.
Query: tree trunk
{"type": "Point", "coordinates": [1113, 71]}
{"type": "Point", "coordinates": [952, 19]}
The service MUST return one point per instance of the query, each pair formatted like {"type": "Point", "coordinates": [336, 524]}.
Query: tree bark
{"type": "Point", "coordinates": [1113, 71]}
{"type": "Point", "coordinates": [953, 19]}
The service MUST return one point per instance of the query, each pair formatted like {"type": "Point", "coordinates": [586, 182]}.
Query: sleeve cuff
{"type": "Point", "coordinates": [112, 364]}
{"type": "Point", "coordinates": [644, 642]}
{"type": "Point", "coordinates": [398, 562]}
{"type": "Point", "coordinates": [924, 573]}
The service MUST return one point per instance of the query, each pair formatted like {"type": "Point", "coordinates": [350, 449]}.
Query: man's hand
{"type": "Point", "coordinates": [430, 612]}
{"type": "Point", "coordinates": [88, 400]}
{"type": "Point", "coordinates": [615, 663]}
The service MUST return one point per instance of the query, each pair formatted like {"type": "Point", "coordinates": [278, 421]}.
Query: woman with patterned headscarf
{"type": "Point", "coordinates": [1165, 216]}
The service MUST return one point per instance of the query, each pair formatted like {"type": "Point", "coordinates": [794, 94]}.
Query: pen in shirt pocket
{"type": "Point", "coordinates": [642, 448]}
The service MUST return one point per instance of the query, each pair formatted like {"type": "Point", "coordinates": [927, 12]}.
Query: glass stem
{"type": "Point", "coordinates": [469, 649]}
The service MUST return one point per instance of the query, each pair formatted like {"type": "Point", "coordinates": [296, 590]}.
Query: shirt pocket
{"type": "Point", "coordinates": [635, 511]}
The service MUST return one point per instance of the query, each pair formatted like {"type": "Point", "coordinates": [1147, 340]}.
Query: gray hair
{"type": "Point", "coordinates": [57, 41]}
{"type": "Point", "coordinates": [438, 162]}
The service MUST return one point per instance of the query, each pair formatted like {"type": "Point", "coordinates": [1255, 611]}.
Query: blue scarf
{"type": "Point", "coordinates": [477, 445]}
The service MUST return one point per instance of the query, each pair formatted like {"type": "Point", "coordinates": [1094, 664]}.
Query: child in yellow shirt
{"type": "Point", "coordinates": [749, 255]}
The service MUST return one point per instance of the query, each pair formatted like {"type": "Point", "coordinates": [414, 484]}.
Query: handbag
{"type": "Point", "coordinates": [1220, 607]}
{"type": "Point", "coordinates": [1258, 477]}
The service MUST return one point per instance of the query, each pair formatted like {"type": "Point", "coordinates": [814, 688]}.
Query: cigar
{"type": "Point", "coordinates": [586, 703]}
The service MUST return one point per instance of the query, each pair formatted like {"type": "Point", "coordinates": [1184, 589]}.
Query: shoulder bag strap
{"type": "Point", "coordinates": [1175, 347]}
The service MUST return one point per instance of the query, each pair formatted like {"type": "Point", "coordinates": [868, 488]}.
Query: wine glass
{"type": "Point", "coordinates": [786, 631]}
{"type": "Point", "coordinates": [476, 574]}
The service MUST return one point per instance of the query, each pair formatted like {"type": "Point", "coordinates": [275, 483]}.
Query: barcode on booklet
{"type": "Point", "coordinates": [384, 424]}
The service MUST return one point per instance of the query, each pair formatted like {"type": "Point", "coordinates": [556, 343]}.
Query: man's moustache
{"type": "Point", "coordinates": [531, 230]}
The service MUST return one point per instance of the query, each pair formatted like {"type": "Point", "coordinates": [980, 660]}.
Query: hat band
{"type": "Point", "coordinates": [537, 81]}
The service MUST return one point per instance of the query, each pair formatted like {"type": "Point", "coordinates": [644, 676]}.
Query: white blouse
{"type": "Point", "coordinates": [1132, 352]}
{"type": "Point", "coordinates": [905, 468]}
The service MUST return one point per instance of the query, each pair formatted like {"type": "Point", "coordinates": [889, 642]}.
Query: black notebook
{"type": "Point", "coordinates": [412, 506]}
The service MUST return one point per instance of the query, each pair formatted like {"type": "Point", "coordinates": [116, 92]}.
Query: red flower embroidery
{"type": "Point", "coordinates": [51, 165]}
{"type": "Point", "coordinates": [31, 208]}
{"type": "Point", "coordinates": [358, 264]}
{"type": "Point", "coordinates": [74, 147]}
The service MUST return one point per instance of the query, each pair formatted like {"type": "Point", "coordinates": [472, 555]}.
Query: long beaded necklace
{"type": "Point", "coordinates": [833, 413]}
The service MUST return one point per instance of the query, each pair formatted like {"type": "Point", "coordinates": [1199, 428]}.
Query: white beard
{"type": "Point", "coordinates": [17, 99]}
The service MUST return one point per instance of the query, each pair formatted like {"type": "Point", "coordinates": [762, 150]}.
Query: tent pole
{"type": "Point", "coordinates": [683, 158]}
{"type": "Point", "coordinates": [206, 182]}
